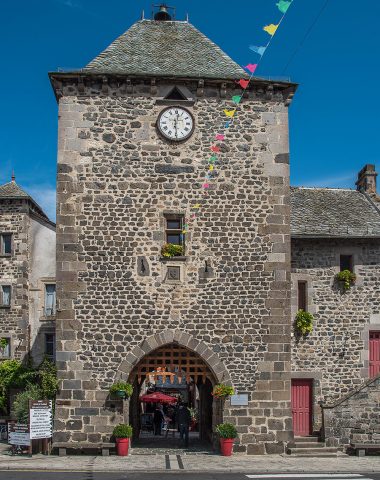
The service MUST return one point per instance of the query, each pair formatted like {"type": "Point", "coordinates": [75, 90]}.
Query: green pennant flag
{"type": "Point", "coordinates": [283, 5]}
{"type": "Point", "coordinates": [236, 98]}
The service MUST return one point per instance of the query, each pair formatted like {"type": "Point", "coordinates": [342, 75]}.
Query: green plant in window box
{"type": "Point", "coordinates": [122, 389]}
{"type": "Point", "coordinates": [347, 278]}
{"type": "Point", "coordinates": [170, 250]}
{"type": "Point", "coordinates": [222, 391]}
{"type": "Point", "coordinates": [304, 322]}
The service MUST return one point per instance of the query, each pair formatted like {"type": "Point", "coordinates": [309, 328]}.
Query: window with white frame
{"type": "Point", "coordinates": [5, 295]}
{"type": "Point", "coordinates": [50, 299]}
{"type": "Point", "coordinates": [5, 347]}
{"type": "Point", "coordinates": [6, 244]}
{"type": "Point", "coordinates": [50, 346]}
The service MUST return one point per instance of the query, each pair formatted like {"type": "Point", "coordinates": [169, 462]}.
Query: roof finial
{"type": "Point", "coordinates": [13, 178]}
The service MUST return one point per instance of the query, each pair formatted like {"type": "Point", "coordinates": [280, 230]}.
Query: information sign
{"type": "Point", "coordinates": [239, 400]}
{"type": "Point", "coordinates": [18, 434]}
{"type": "Point", "coordinates": [41, 419]}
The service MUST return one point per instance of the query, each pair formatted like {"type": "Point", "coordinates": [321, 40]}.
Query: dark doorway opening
{"type": "Point", "coordinates": [175, 372]}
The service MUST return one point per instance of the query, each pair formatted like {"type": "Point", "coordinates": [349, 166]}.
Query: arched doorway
{"type": "Point", "coordinates": [176, 371]}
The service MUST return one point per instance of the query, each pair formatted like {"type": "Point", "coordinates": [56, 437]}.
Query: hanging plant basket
{"type": "Point", "coordinates": [222, 391]}
{"type": "Point", "coordinates": [121, 389]}
{"type": "Point", "coordinates": [346, 278]}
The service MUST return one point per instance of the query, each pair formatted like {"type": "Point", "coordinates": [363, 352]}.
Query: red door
{"type": "Point", "coordinates": [302, 406]}
{"type": "Point", "coordinates": [374, 353]}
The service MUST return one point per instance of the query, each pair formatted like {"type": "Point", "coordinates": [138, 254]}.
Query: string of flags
{"type": "Point", "coordinates": [271, 29]}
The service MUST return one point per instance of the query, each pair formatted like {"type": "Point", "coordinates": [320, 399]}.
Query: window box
{"type": "Point", "coordinates": [173, 259]}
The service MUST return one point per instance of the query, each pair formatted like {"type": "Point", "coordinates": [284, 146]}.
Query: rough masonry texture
{"type": "Point", "coordinates": [116, 180]}
{"type": "Point", "coordinates": [355, 418]}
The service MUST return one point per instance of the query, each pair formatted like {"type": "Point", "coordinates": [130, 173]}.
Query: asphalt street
{"type": "Point", "coordinates": [90, 475]}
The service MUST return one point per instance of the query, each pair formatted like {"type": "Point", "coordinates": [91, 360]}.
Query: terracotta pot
{"type": "Point", "coordinates": [226, 445]}
{"type": "Point", "coordinates": [122, 446]}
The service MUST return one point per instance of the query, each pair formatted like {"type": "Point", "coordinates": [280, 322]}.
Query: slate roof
{"type": "Point", "coordinates": [333, 212]}
{"type": "Point", "coordinates": [171, 48]}
{"type": "Point", "coordinates": [12, 191]}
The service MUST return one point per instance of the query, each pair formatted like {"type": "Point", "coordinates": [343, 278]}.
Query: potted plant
{"type": "Point", "coordinates": [194, 419]}
{"type": "Point", "coordinates": [170, 250]}
{"type": "Point", "coordinates": [122, 433]}
{"type": "Point", "coordinates": [3, 345]}
{"type": "Point", "coordinates": [227, 433]}
{"type": "Point", "coordinates": [222, 391]}
{"type": "Point", "coordinates": [346, 278]}
{"type": "Point", "coordinates": [122, 389]}
{"type": "Point", "coordinates": [304, 322]}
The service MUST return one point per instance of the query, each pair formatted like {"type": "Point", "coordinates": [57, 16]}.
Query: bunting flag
{"type": "Point", "coordinates": [236, 99]}
{"type": "Point", "coordinates": [271, 29]}
{"type": "Point", "coordinates": [259, 50]}
{"type": "Point", "coordinates": [212, 174]}
{"type": "Point", "coordinates": [283, 5]}
{"type": "Point", "coordinates": [229, 113]}
{"type": "Point", "coordinates": [251, 67]}
{"type": "Point", "coordinates": [243, 83]}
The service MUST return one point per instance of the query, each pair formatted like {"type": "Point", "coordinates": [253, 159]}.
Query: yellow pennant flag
{"type": "Point", "coordinates": [230, 113]}
{"type": "Point", "coordinates": [211, 168]}
{"type": "Point", "coordinates": [271, 29]}
{"type": "Point", "coordinates": [197, 205]}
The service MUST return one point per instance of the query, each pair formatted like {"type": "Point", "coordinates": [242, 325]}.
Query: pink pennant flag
{"type": "Point", "coordinates": [243, 83]}
{"type": "Point", "coordinates": [193, 216]}
{"type": "Point", "coordinates": [219, 136]}
{"type": "Point", "coordinates": [214, 148]}
{"type": "Point", "coordinates": [205, 185]}
{"type": "Point", "coordinates": [251, 67]}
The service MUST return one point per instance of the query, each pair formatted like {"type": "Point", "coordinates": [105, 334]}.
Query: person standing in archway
{"type": "Point", "coordinates": [184, 419]}
{"type": "Point", "coordinates": [158, 418]}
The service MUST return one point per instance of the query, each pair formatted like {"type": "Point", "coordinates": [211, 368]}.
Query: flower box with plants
{"type": "Point", "coordinates": [122, 434]}
{"type": "Point", "coordinates": [170, 250]}
{"type": "Point", "coordinates": [304, 323]}
{"type": "Point", "coordinates": [3, 345]}
{"type": "Point", "coordinates": [227, 434]}
{"type": "Point", "coordinates": [346, 278]}
{"type": "Point", "coordinates": [222, 391]}
{"type": "Point", "coordinates": [122, 389]}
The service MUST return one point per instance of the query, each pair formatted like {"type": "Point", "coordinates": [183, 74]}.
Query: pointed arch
{"type": "Point", "coordinates": [184, 339]}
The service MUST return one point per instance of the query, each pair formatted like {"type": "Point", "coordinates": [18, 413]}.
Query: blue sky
{"type": "Point", "coordinates": [334, 117]}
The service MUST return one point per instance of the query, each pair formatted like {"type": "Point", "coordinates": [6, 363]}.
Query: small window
{"type": "Point", "coordinates": [50, 346]}
{"type": "Point", "coordinates": [302, 296]}
{"type": "Point", "coordinates": [174, 227]}
{"type": "Point", "coordinates": [6, 244]}
{"type": "Point", "coordinates": [5, 347]}
{"type": "Point", "coordinates": [50, 300]}
{"type": "Point", "coordinates": [346, 263]}
{"type": "Point", "coordinates": [6, 295]}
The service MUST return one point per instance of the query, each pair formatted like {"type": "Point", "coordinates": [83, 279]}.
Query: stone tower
{"type": "Point", "coordinates": [125, 186]}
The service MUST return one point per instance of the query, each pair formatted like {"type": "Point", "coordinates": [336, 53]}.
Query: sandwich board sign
{"type": "Point", "coordinates": [41, 419]}
{"type": "Point", "coordinates": [18, 434]}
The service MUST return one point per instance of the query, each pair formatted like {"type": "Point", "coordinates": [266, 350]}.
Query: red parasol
{"type": "Point", "coordinates": [158, 397]}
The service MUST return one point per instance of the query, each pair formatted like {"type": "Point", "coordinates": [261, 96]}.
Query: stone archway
{"type": "Point", "coordinates": [184, 339]}
{"type": "Point", "coordinates": [134, 367]}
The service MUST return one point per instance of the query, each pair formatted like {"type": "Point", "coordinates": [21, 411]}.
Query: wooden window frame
{"type": "Point", "coordinates": [350, 262]}
{"type": "Point", "coordinates": [50, 357]}
{"type": "Point", "coordinates": [55, 300]}
{"type": "Point", "coordinates": [2, 244]}
{"type": "Point", "coordinates": [302, 302]}
{"type": "Point", "coordinates": [3, 357]}
{"type": "Point", "coordinates": [2, 304]}
{"type": "Point", "coordinates": [175, 231]}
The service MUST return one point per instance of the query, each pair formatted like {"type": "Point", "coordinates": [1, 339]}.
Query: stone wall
{"type": "Point", "coordinates": [14, 272]}
{"type": "Point", "coordinates": [116, 180]}
{"type": "Point", "coordinates": [355, 418]}
{"type": "Point", "coordinates": [335, 354]}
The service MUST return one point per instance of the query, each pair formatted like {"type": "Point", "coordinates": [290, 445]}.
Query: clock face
{"type": "Point", "coordinates": [175, 123]}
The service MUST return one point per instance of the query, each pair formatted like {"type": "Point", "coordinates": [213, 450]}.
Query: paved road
{"type": "Point", "coordinates": [89, 475]}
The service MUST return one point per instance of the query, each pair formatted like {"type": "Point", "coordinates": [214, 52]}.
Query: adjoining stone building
{"type": "Point", "coordinates": [27, 276]}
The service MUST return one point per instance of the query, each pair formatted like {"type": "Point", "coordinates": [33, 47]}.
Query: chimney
{"type": "Point", "coordinates": [367, 179]}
